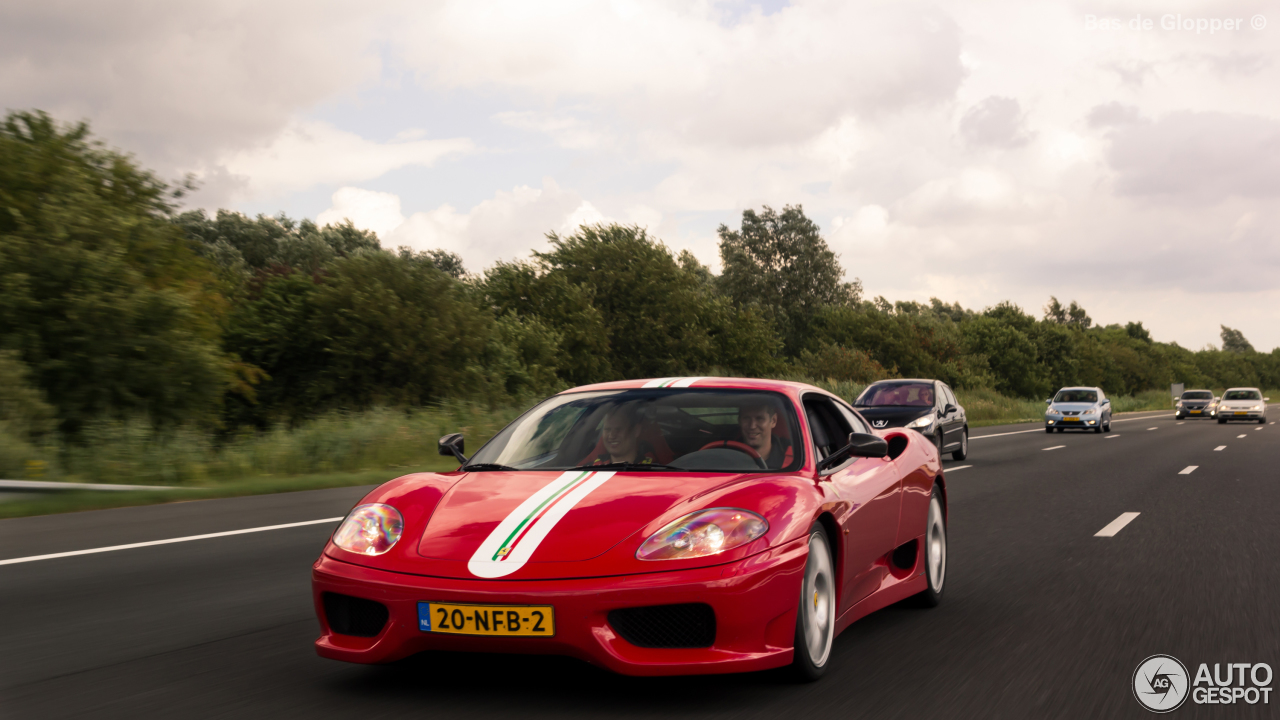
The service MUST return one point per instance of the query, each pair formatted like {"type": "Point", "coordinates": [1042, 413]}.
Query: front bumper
{"type": "Point", "coordinates": [754, 601]}
{"type": "Point", "coordinates": [1241, 414]}
{"type": "Point", "coordinates": [1090, 421]}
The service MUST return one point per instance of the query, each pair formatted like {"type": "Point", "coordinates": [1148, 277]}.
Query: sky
{"type": "Point", "coordinates": [1125, 155]}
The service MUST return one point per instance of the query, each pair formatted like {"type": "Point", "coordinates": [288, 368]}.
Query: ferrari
{"type": "Point", "coordinates": [650, 527]}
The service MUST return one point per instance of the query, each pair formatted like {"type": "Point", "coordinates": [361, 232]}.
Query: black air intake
{"type": "Point", "coordinates": [354, 616]}
{"type": "Point", "coordinates": [666, 626]}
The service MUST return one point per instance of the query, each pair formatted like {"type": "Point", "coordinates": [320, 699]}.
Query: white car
{"type": "Point", "coordinates": [1242, 404]}
{"type": "Point", "coordinates": [1078, 408]}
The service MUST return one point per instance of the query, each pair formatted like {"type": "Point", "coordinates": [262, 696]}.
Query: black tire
{"type": "Point", "coordinates": [1058, 429]}
{"type": "Point", "coordinates": [963, 452]}
{"type": "Point", "coordinates": [1048, 430]}
{"type": "Point", "coordinates": [1221, 421]}
{"type": "Point", "coordinates": [1097, 430]}
{"type": "Point", "coordinates": [935, 575]}
{"type": "Point", "coordinates": [1107, 427]}
{"type": "Point", "coordinates": [817, 604]}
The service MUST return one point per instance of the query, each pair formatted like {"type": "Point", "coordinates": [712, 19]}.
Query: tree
{"type": "Point", "coordinates": [781, 262]}
{"type": "Point", "coordinates": [100, 294]}
{"type": "Point", "coordinates": [1073, 316]}
{"type": "Point", "coordinates": [1233, 341]}
{"type": "Point", "coordinates": [236, 242]}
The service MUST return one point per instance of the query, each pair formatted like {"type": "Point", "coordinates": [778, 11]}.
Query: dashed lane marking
{"type": "Point", "coordinates": [1021, 432]}
{"type": "Point", "coordinates": [1259, 427]}
{"type": "Point", "coordinates": [1056, 447]}
{"type": "Point", "coordinates": [189, 538]}
{"type": "Point", "coordinates": [1181, 423]}
{"type": "Point", "coordinates": [958, 467]}
{"type": "Point", "coordinates": [1116, 525]}
{"type": "Point", "coordinates": [1220, 448]}
{"type": "Point", "coordinates": [1154, 428]}
{"type": "Point", "coordinates": [1112, 436]}
{"type": "Point", "coordinates": [1188, 469]}
{"type": "Point", "coordinates": [1241, 436]}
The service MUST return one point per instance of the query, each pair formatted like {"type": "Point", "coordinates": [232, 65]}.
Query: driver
{"type": "Point", "coordinates": [620, 439]}
{"type": "Point", "coordinates": [756, 423]}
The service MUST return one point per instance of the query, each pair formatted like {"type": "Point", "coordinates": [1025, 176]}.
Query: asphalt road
{"type": "Point", "coordinates": [1041, 617]}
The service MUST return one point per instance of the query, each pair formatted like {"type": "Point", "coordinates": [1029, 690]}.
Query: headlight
{"type": "Point", "coordinates": [921, 422]}
{"type": "Point", "coordinates": [1050, 411]}
{"type": "Point", "coordinates": [703, 533]}
{"type": "Point", "coordinates": [1256, 407]}
{"type": "Point", "coordinates": [370, 529]}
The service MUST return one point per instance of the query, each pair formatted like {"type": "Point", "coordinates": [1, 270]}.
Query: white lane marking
{"type": "Point", "coordinates": [1055, 447]}
{"type": "Point", "coordinates": [1241, 436]}
{"type": "Point", "coordinates": [188, 538]}
{"type": "Point", "coordinates": [1112, 436]}
{"type": "Point", "coordinates": [1021, 432]}
{"type": "Point", "coordinates": [1181, 423]}
{"type": "Point", "coordinates": [1220, 448]}
{"type": "Point", "coordinates": [1273, 422]}
{"type": "Point", "coordinates": [1116, 525]}
{"type": "Point", "coordinates": [1188, 469]}
{"type": "Point", "coordinates": [958, 467]}
{"type": "Point", "coordinates": [1154, 428]}
{"type": "Point", "coordinates": [1259, 427]}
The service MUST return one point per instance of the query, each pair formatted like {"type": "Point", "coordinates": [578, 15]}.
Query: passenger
{"type": "Point", "coordinates": [620, 439]}
{"type": "Point", "coordinates": [756, 424]}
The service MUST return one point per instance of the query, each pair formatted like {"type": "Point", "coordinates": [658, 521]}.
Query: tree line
{"type": "Point", "coordinates": [114, 303]}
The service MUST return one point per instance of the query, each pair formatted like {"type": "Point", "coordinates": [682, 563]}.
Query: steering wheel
{"type": "Point", "coordinates": [735, 445]}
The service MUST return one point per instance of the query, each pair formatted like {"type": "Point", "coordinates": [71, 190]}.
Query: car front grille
{"type": "Point", "coordinates": [1071, 413]}
{"type": "Point", "coordinates": [691, 625]}
{"type": "Point", "coordinates": [354, 616]}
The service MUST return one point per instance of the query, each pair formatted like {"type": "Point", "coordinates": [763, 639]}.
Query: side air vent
{"type": "Point", "coordinates": [692, 625]}
{"type": "Point", "coordinates": [354, 616]}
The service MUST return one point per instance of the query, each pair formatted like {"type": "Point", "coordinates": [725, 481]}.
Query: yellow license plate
{"type": "Point", "coordinates": [501, 620]}
{"type": "Point", "coordinates": [1070, 419]}
{"type": "Point", "coordinates": [1241, 413]}
{"type": "Point", "coordinates": [1195, 412]}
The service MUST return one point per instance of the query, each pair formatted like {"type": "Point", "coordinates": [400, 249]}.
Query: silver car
{"type": "Point", "coordinates": [1242, 404]}
{"type": "Point", "coordinates": [1078, 408]}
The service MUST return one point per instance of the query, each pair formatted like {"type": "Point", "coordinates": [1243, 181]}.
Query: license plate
{"type": "Point", "coordinates": [1241, 413]}
{"type": "Point", "coordinates": [1195, 412]}
{"type": "Point", "coordinates": [502, 620]}
{"type": "Point", "coordinates": [1068, 419]}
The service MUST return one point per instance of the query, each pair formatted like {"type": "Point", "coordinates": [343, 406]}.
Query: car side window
{"type": "Point", "coordinates": [852, 419]}
{"type": "Point", "coordinates": [829, 428]}
{"type": "Point", "coordinates": [951, 398]}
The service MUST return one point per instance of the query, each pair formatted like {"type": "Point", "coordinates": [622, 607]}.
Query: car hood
{"type": "Point", "coordinates": [892, 415]}
{"type": "Point", "coordinates": [1073, 407]}
{"type": "Point", "coordinates": [1238, 404]}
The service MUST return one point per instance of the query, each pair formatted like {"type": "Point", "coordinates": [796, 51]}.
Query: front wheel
{"type": "Point", "coordinates": [1048, 430]}
{"type": "Point", "coordinates": [963, 452]}
{"type": "Point", "coordinates": [1222, 421]}
{"type": "Point", "coordinates": [816, 618]}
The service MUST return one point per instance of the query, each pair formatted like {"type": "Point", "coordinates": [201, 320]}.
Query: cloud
{"type": "Point", "coordinates": [1203, 157]}
{"type": "Point", "coordinates": [995, 122]}
{"type": "Point", "coordinates": [367, 209]}
{"type": "Point", "coordinates": [310, 153]}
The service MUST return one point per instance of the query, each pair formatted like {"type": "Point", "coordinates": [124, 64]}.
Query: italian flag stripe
{"type": "Point", "coordinates": [507, 546]}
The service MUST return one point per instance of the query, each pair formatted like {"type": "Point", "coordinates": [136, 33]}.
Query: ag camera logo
{"type": "Point", "coordinates": [1160, 683]}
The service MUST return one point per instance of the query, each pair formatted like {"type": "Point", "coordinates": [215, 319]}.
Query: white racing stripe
{"type": "Point", "coordinates": [1188, 469]}
{"type": "Point", "coordinates": [188, 538]}
{"type": "Point", "coordinates": [672, 382]}
{"type": "Point", "coordinates": [514, 540]}
{"type": "Point", "coordinates": [1116, 525]}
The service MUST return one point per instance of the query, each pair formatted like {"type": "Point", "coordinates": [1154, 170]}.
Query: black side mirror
{"type": "Point", "coordinates": [949, 409]}
{"type": "Point", "coordinates": [452, 445]}
{"type": "Point", "coordinates": [860, 445]}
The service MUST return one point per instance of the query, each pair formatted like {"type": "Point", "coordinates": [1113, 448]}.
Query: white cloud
{"type": "Point", "coordinates": [367, 209]}
{"type": "Point", "coordinates": [307, 154]}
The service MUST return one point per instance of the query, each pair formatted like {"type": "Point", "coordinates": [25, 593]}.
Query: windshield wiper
{"type": "Point", "coordinates": [627, 466]}
{"type": "Point", "coordinates": [487, 466]}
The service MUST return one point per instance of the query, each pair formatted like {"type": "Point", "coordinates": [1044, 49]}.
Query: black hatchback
{"type": "Point", "coordinates": [926, 406]}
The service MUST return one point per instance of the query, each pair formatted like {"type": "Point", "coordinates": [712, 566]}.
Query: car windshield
{"type": "Point", "coordinates": [1197, 395]}
{"type": "Point", "coordinates": [908, 394]}
{"type": "Point", "coordinates": [1076, 396]}
{"type": "Point", "coordinates": [658, 430]}
{"type": "Point", "coordinates": [1242, 395]}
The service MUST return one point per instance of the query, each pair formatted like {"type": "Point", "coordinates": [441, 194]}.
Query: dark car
{"type": "Point", "coordinates": [1195, 403]}
{"type": "Point", "coordinates": [926, 406]}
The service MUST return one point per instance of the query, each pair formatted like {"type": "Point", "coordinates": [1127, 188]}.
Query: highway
{"type": "Point", "coordinates": [1042, 617]}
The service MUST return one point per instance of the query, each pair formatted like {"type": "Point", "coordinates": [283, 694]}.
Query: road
{"type": "Point", "coordinates": [1042, 618]}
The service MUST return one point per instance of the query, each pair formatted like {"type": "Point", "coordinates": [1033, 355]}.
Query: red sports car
{"type": "Point", "coordinates": [652, 527]}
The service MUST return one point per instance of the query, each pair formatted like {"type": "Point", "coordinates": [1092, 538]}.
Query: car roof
{"type": "Point", "coordinates": [1078, 387]}
{"type": "Point", "coordinates": [724, 383]}
{"type": "Point", "coordinates": [903, 380]}
{"type": "Point", "coordinates": [1242, 388]}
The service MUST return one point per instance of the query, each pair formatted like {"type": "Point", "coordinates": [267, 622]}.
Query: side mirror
{"type": "Point", "coordinates": [1105, 401]}
{"type": "Point", "coordinates": [949, 409]}
{"type": "Point", "coordinates": [860, 445]}
{"type": "Point", "coordinates": [453, 445]}
{"type": "Point", "coordinates": [1049, 401]}
{"type": "Point", "coordinates": [1266, 399]}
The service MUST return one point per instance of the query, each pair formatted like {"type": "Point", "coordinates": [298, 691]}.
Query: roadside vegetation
{"type": "Point", "coordinates": [143, 344]}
